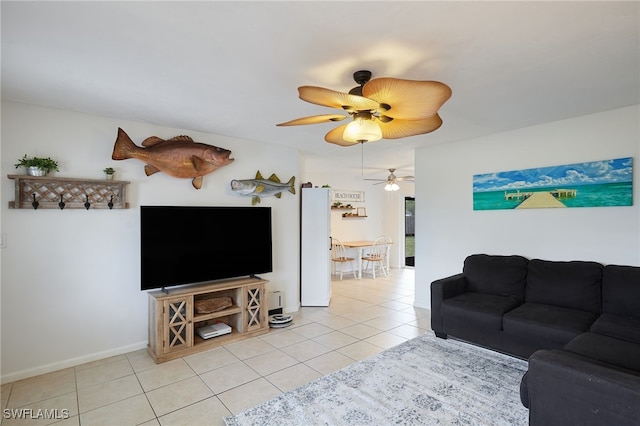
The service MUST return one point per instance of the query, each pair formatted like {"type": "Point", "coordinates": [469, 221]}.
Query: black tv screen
{"type": "Point", "coordinates": [185, 245]}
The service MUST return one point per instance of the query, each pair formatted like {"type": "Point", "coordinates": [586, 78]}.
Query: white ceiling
{"type": "Point", "coordinates": [233, 68]}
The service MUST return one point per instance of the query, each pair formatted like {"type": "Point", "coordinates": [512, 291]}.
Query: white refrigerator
{"type": "Point", "coordinates": [315, 247]}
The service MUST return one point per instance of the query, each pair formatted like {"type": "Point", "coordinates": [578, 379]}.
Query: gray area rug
{"type": "Point", "coordinates": [424, 381]}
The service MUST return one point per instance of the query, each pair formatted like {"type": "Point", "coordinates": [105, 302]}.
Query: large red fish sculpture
{"type": "Point", "coordinates": [179, 156]}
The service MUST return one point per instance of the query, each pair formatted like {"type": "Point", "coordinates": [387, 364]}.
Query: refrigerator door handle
{"type": "Point", "coordinates": [330, 243]}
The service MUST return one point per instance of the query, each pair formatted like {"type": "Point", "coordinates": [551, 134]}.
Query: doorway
{"type": "Point", "coordinates": [409, 231]}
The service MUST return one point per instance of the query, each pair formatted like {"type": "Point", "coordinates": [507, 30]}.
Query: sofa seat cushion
{"type": "Point", "coordinates": [574, 285]}
{"type": "Point", "coordinates": [554, 325]}
{"type": "Point", "coordinates": [493, 274]}
{"type": "Point", "coordinates": [618, 326]}
{"type": "Point", "coordinates": [607, 349]}
{"type": "Point", "coordinates": [477, 310]}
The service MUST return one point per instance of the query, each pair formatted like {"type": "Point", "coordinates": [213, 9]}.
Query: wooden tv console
{"type": "Point", "coordinates": [173, 319]}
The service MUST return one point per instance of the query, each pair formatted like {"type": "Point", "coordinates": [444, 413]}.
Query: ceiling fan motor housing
{"type": "Point", "coordinates": [361, 77]}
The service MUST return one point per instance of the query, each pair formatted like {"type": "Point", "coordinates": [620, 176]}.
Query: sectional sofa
{"type": "Point", "coordinates": [577, 322]}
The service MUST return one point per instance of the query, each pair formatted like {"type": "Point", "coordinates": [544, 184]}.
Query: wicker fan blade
{"type": "Point", "coordinates": [314, 119]}
{"type": "Point", "coordinates": [399, 128]}
{"type": "Point", "coordinates": [331, 98]}
{"type": "Point", "coordinates": [398, 179]}
{"type": "Point", "coordinates": [408, 99]}
{"type": "Point", "coordinates": [335, 137]}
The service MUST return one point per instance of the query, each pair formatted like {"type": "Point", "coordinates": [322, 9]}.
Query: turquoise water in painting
{"type": "Point", "coordinates": [598, 195]}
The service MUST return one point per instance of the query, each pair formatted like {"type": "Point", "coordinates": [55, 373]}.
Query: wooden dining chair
{"type": "Point", "coordinates": [376, 257]}
{"type": "Point", "coordinates": [389, 242]}
{"type": "Point", "coordinates": [339, 257]}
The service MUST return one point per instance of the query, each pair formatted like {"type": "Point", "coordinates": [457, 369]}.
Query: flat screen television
{"type": "Point", "coordinates": [185, 245]}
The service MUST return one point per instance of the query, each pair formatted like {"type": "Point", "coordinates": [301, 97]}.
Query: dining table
{"type": "Point", "coordinates": [361, 245]}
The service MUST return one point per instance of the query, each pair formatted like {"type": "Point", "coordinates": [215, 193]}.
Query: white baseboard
{"type": "Point", "coordinates": [73, 362]}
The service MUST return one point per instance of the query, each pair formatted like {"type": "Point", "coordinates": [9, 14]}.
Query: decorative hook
{"type": "Point", "coordinates": [61, 204]}
{"type": "Point", "coordinates": [87, 204]}
{"type": "Point", "coordinates": [110, 204]}
{"type": "Point", "coordinates": [35, 204]}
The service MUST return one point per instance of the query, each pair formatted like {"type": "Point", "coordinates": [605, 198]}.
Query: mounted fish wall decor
{"type": "Point", "coordinates": [179, 156]}
{"type": "Point", "coordinates": [261, 187]}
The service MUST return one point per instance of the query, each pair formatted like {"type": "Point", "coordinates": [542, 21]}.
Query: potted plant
{"type": "Point", "coordinates": [37, 166]}
{"type": "Point", "coordinates": [109, 172]}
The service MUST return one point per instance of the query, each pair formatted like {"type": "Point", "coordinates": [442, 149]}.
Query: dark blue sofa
{"type": "Point", "coordinates": [578, 324]}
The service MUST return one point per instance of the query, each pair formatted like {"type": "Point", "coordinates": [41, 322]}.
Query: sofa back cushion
{"type": "Point", "coordinates": [621, 290]}
{"type": "Point", "coordinates": [499, 275]}
{"type": "Point", "coordinates": [574, 284]}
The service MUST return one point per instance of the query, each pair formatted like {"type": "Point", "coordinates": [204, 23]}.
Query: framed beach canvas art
{"type": "Point", "coordinates": [603, 183]}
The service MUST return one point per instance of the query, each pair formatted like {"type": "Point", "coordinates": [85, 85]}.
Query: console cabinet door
{"type": "Point", "coordinates": [178, 324]}
{"type": "Point", "coordinates": [256, 307]}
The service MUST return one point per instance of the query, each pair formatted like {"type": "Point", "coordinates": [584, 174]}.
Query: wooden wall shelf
{"type": "Point", "coordinates": [74, 192]}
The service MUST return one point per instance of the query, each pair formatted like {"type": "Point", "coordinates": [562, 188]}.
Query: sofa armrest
{"type": "Point", "coordinates": [442, 289]}
{"type": "Point", "coordinates": [569, 389]}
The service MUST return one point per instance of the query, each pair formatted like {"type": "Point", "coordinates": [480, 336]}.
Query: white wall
{"type": "Point", "coordinates": [448, 229]}
{"type": "Point", "coordinates": [70, 279]}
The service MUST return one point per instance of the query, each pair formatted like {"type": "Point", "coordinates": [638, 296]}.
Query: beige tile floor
{"type": "Point", "coordinates": [365, 317]}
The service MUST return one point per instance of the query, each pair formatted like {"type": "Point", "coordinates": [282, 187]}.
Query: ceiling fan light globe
{"type": "Point", "coordinates": [391, 186]}
{"type": "Point", "coordinates": [362, 130]}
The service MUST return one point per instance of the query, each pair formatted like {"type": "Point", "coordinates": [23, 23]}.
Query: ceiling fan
{"type": "Point", "coordinates": [391, 182]}
{"type": "Point", "coordinates": [389, 108]}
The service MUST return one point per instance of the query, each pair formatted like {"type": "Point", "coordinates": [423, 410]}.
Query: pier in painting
{"type": "Point", "coordinates": [556, 193]}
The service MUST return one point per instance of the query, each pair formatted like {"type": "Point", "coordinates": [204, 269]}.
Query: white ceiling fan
{"type": "Point", "coordinates": [391, 182]}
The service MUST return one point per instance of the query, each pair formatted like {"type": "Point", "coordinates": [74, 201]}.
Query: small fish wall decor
{"type": "Point", "coordinates": [179, 156]}
{"type": "Point", "coordinates": [261, 187]}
